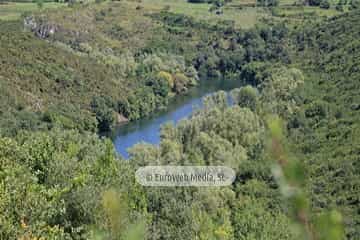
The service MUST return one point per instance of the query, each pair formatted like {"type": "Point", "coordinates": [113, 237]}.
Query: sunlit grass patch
{"type": "Point", "coordinates": [12, 11]}
{"type": "Point", "coordinates": [243, 16]}
{"type": "Point", "coordinates": [303, 11]}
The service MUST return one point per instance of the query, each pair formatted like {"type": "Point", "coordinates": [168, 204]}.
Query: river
{"type": "Point", "coordinates": [180, 107]}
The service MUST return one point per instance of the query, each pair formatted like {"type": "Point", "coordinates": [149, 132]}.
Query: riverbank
{"type": "Point", "coordinates": [148, 129]}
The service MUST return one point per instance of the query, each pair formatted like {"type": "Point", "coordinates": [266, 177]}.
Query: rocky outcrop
{"type": "Point", "coordinates": [120, 119]}
{"type": "Point", "coordinates": [30, 23]}
{"type": "Point", "coordinates": [40, 28]}
{"type": "Point", "coordinates": [45, 31]}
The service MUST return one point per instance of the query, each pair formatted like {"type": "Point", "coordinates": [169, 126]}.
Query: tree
{"type": "Point", "coordinates": [252, 218]}
{"type": "Point", "coordinates": [197, 1]}
{"type": "Point", "coordinates": [267, 3]}
{"type": "Point", "coordinates": [54, 185]}
{"type": "Point", "coordinates": [279, 91]}
{"type": "Point", "coordinates": [354, 4]}
{"type": "Point", "coordinates": [159, 84]}
{"type": "Point", "coordinates": [40, 3]}
{"type": "Point", "coordinates": [247, 96]}
{"type": "Point", "coordinates": [169, 78]}
{"type": "Point", "coordinates": [339, 7]}
{"type": "Point", "coordinates": [325, 4]}
{"type": "Point", "coordinates": [291, 178]}
{"type": "Point", "coordinates": [216, 100]}
{"type": "Point", "coordinates": [180, 82]}
{"type": "Point", "coordinates": [314, 2]}
{"type": "Point", "coordinates": [102, 107]}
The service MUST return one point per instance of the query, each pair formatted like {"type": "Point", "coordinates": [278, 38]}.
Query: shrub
{"type": "Point", "coordinates": [40, 3]}
{"type": "Point", "coordinates": [180, 82]}
{"type": "Point", "coordinates": [159, 85]}
{"type": "Point", "coordinates": [169, 78]}
{"type": "Point", "coordinates": [197, 1]}
{"type": "Point", "coordinates": [267, 3]}
{"type": "Point", "coordinates": [316, 109]}
{"type": "Point", "coordinates": [246, 97]}
{"type": "Point", "coordinates": [314, 2]}
{"type": "Point", "coordinates": [325, 4]}
{"type": "Point", "coordinates": [339, 7]}
{"type": "Point", "coordinates": [102, 107]}
{"type": "Point", "coordinates": [354, 4]}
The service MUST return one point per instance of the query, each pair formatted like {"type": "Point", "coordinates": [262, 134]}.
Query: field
{"type": "Point", "coordinates": [12, 11]}
{"type": "Point", "coordinates": [245, 18]}
{"type": "Point", "coordinates": [241, 12]}
{"type": "Point", "coordinates": [296, 12]}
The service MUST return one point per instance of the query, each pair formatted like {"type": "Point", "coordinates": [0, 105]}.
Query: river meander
{"type": "Point", "coordinates": [180, 107]}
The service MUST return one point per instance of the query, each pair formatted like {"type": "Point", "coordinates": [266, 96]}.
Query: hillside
{"type": "Point", "coordinates": [291, 133]}
{"type": "Point", "coordinates": [328, 126]}
{"type": "Point", "coordinates": [88, 57]}
{"type": "Point", "coordinates": [107, 60]}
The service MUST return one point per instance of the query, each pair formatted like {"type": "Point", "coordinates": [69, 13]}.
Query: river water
{"type": "Point", "coordinates": [148, 129]}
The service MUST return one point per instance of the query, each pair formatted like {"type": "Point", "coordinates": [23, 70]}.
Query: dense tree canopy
{"type": "Point", "coordinates": [290, 133]}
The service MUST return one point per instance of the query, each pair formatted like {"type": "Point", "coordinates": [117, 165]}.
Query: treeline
{"type": "Point", "coordinates": [295, 178]}
{"type": "Point", "coordinates": [75, 83]}
{"type": "Point", "coordinates": [327, 124]}
{"type": "Point", "coordinates": [53, 186]}
{"type": "Point", "coordinates": [71, 184]}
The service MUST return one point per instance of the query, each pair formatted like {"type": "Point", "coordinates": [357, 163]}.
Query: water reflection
{"type": "Point", "coordinates": [148, 129]}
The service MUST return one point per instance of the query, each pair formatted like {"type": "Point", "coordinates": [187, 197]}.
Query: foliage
{"type": "Point", "coordinates": [290, 136]}
{"type": "Point", "coordinates": [217, 135]}
{"type": "Point", "coordinates": [314, 2]}
{"type": "Point", "coordinates": [168, 77]}
{"type": "Point", "coordinates": [52, 184]}
{"type": "Point", "coordinates": [252, 220]}
{"type": "Point", "coordinates": [40, 3]}
{"type": "Point", "coordinates": [290, 174]}
{"type": "Point", "coordinates": [327, 133]}
{"type": "Point", "coordinates": [197, 1]}
{"type": "Point", "coordinates": [102, 107]}
{"type": "Point", "coordinates": [267, 3]}
{"type": "Point", "coordinates": [325, 4]}
{"type": "Point", "coordinates": [279, 91]}
{"type": "Point", "coordinates": [246, 97]}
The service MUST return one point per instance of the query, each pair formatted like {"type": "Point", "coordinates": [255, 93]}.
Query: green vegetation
{"type": "Point", "coordinates": [52, 185]}
{"type": "Point", "coordinates": [291, 135]}
{"type": "Point", "coordinates": [72, 69]}
{"type": "Point", "coordinates": [14, 10]}
{"type": "Point", "coordinates": [243, 18]}
{"type": "Point", "coordinates": [328, 135]}
{"type": "Point", "coordinates": [86, 60]}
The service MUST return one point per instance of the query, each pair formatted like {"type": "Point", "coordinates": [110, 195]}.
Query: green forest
{"type": "Point", "coordinates": [73, 71]}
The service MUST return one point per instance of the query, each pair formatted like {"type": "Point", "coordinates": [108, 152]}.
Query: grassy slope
{"type": "Point", "coordinates": [37, 74]}
{"type": "Point", "coordinates": [13, 11]}
{"type": "Point", "coordinates": [42, 72]}
{"type": "Point", "coordinates": [22, 52]}
{"type": "Point", "coordinates": [243, 18]}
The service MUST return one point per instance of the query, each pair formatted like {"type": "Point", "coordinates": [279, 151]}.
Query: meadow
{"type": "Point", "coordinates": [245, 18]}
{"type": "Point", "coordinates": [243, 13]}
{"type": "Point", "coordinates": [14, 10]}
